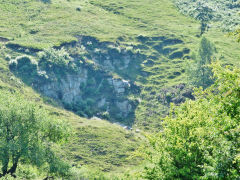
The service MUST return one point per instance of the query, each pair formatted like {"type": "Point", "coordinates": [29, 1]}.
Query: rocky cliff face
{"type": "Point", "coordinates": [83, 77]}
{"type": "Point", "coordinates": [94, 78]}
{"type": "Point", "coordinates": [103, 93]}
{"type": "Point", "coordinates": [67, 89]}
{"type": "Point", "coordinates": [112, 57]}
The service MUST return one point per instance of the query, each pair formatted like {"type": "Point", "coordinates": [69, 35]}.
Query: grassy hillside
{"type": "Point", "coordinates": [96, 145]}
{"type": "Point", "coordinates": [154, 28]}
{"type": "Point", "coordinates": [38, 24]}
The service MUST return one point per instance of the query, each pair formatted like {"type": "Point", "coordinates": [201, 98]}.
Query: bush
{"type": "Point", "coordinates": [56, 61]}
{"type": "Point", "coordinates": [105, 115]}
{"type": "Point", "coordinates": [13, 65]}
{"type": "Point", "coordinates": [90, 102]}
{"type": "Point", "coordinates": [200, 139]}
{"type": "Point", "coordinates": [78, 9]}
{"type": "Point", "coordinates": [7, 57]}
{"type": "Point", "coordinates": [24, 65]}
{"type": "Point", "coordinates": [199, 73]}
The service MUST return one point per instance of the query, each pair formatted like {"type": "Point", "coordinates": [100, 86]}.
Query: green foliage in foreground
{"type": "Point", "coordinates": [28, 135]}
{"type": "Point", "coordinates": [201, 139]}
{"type": "Point", "coordinates": [199, 73]}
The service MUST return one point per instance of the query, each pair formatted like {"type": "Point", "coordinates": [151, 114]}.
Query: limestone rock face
{"type": "Point", "coordinates": [90, 78]}
{"type": "Point", "coordinates": [107, 63]}
{"type": "Point", "coordinates": [67, 89]}
{"type": "Point", "coordinates": [120, 86]}
{"type": "Point", "coordinates": [73, 88]}
{"type": "Point", "coordinates": [107, 54]}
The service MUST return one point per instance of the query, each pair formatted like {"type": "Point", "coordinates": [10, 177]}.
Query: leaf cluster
{"type": "Point", "coordinates": [201, 138]}
{"type": "Point", "coordinates": [27, 135]}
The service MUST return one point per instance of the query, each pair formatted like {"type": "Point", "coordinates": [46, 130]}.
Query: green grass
{"type": "Point", "coordinates": [95, 145]}
{"type": "Point", "coordinates": [98, 144]}
{"type": "Point", "coordinates": [103, 145]}
{"type": "Point", "coordinates": [34, 24]}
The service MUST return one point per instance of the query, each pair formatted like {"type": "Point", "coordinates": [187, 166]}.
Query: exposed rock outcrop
{"type": "Point", "coordinates": [120, 86]}
{"type": "Point", "coordinates": [82, 86]}
{"type": "Point", "coordinates": [67, 89]}
{"type": "Point", "coordinates": [94, 78]}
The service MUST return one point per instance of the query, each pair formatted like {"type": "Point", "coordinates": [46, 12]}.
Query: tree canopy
{"type": "Point", "coordinates": [27, 135]}
{"type": "Point", "coordinates": [199, 73]}
{"type": "Point", "coordinates": [201, 138]}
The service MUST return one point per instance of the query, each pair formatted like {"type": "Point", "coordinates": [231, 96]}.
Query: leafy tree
{"type": "Point", "coordinates": [200, 139]}
{"type": "Point", "coordinates": [204, 15]}
{"type": "Point", "coordinates": [28, 135]}
{"type": "Point", "coordinates": [199, 73]}
{"type": "Point", "coordinates": [225, 12]}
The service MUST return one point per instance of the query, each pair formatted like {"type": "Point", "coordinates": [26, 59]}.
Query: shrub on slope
{"type": "Point", "coordinates": [200, 139]}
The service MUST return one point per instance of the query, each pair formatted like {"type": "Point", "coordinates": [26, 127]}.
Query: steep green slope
{"type": "Point", "coordinates": [37, 24]}
{"type": "Point", "coordinates": [96, 144]}
{"type": "Point", "coordinates": [156, 36]}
